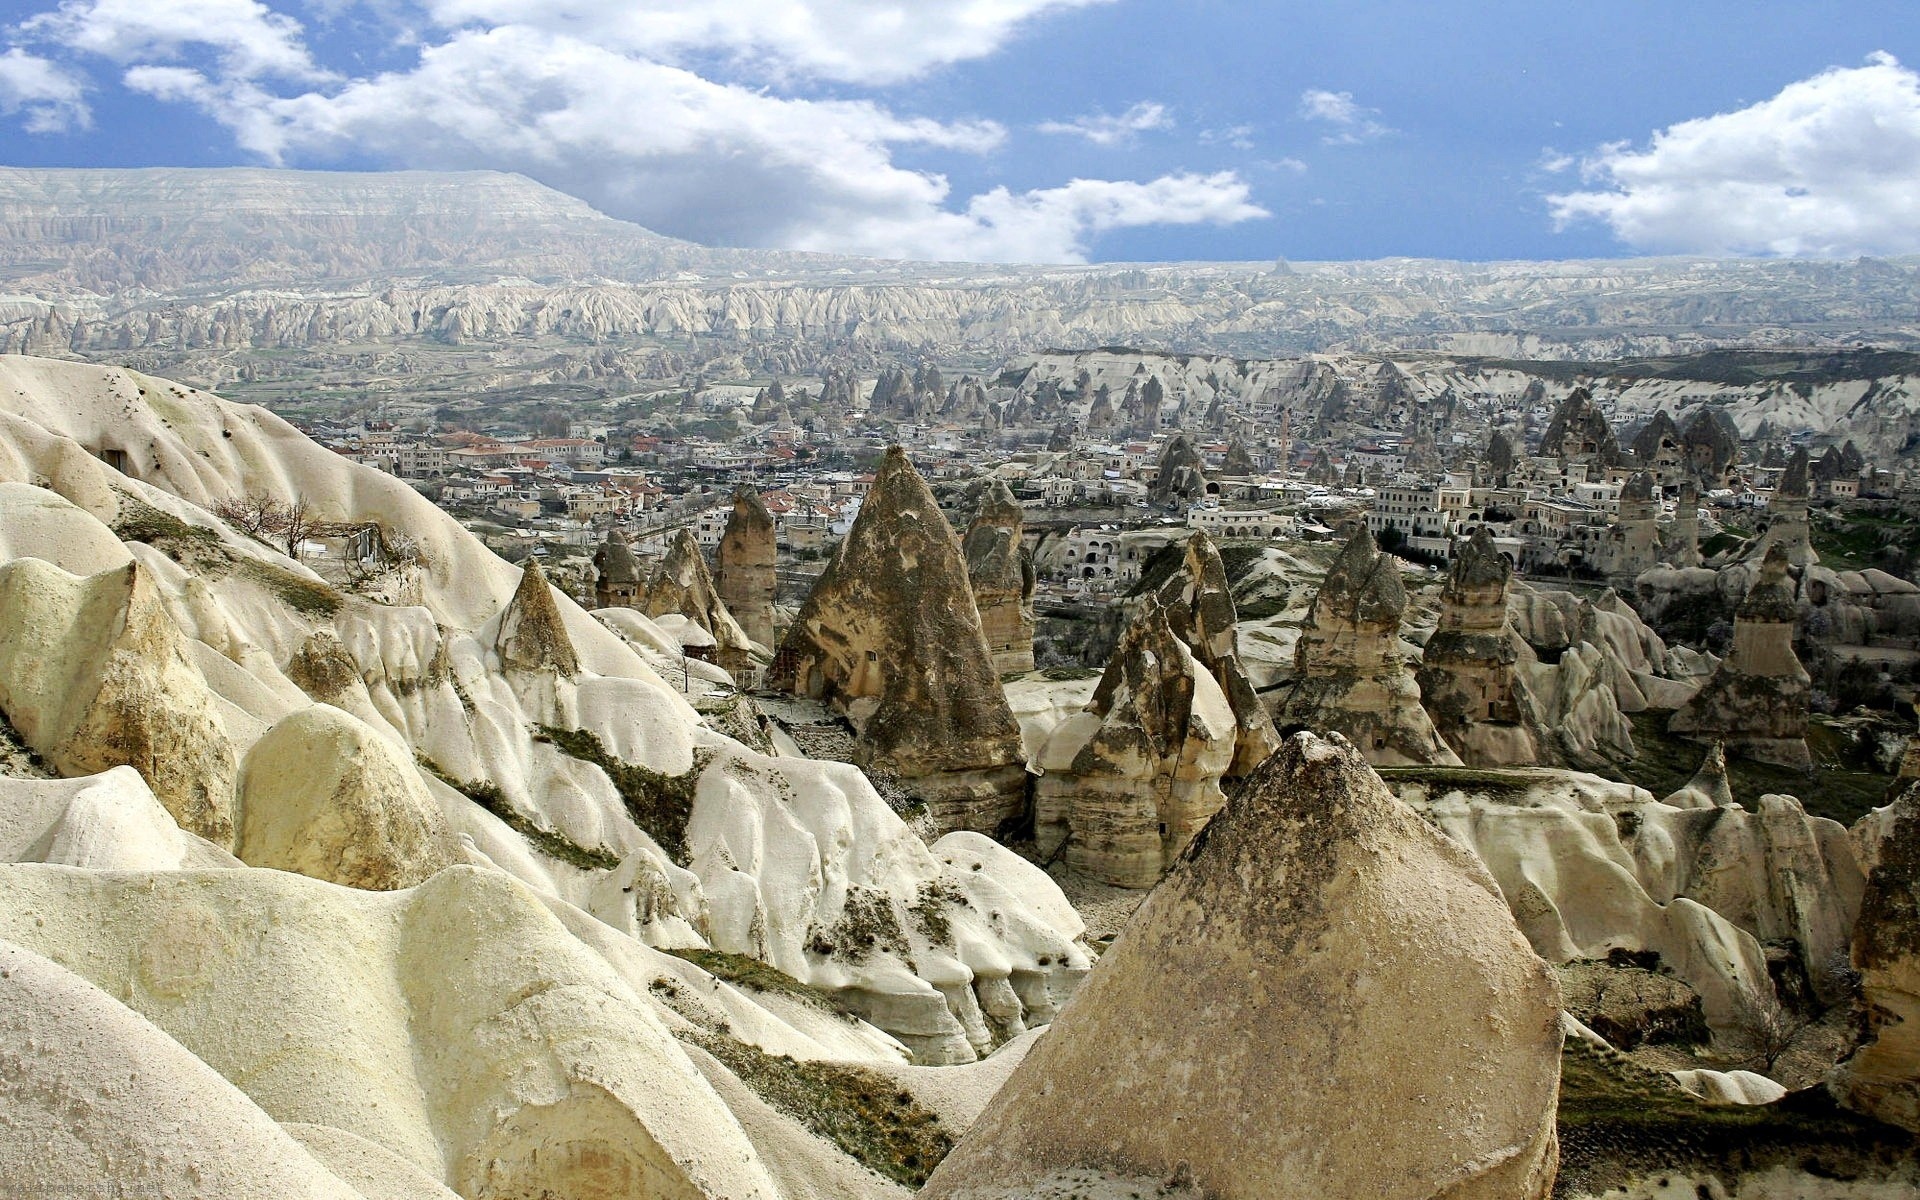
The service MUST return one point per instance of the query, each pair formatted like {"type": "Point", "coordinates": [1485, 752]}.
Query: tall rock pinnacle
{"type": "Point", "coordinates": [891, 636]}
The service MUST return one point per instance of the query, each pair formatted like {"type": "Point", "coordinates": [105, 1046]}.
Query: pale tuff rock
{"type": "Point", "coordinates": [1757, 700]}
{"type": "Point", "coordinates": [1373, 1024]}
{"type": "Point", "coordinates": [780, 848]}
{"type": "Point", "coordinates": [1468, 679]}
{"type": "Point", "coordinates": [1200, 611]}
{"type": "Point", "coordinates": [1349, 675]}
{"type": "Point", "coordinates": [1182, 474]}
{"type": "Point", "coordinates": [457, 1024]}
{"type": "Point", "coordinates": [743, 569]}
{"type": "Point", "coordinates": [1633, 543]}
{"type": "Point", "coordinates": [1709, 787]}
{"type": "Point", "coordinates": [532, 637]}
{"type": "Point", "coordinates": [618, 579]}
{"type": "Point", "coordinates": [1238, 462]}
{"type": "Point", "coordinates": [100, 1102]}
{"type": "Point", "coordinates": [106, 822]}
{"type": "Point", "coordinates": [1787, 525]}
{"type": "Point", "coordinates": [1681, 548]}
{"type": "Point", "coordinates": [683, 587]}
{"type": "Point", "coordinates": [1127, 784]}
{"type": "Point", "coordinates": [324, 795]}
{"type": "Point", "coordinates": [1589, 866]}
{"type": "Point", "coordinates": [1000, 571]}
{"type": "Point", "coordinates": [95, 674]}
{"type": "Point", "coordinates": [890, 635]}
{"type": "Point", "coordinates": [1882, 1078]}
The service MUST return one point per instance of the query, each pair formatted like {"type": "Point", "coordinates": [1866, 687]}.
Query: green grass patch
{"type": "Point", "coordinates": [308, 596]}
{"type": "Point", "coordinates": [660, 804]}
{"type": "Point", "coordinates": [754, 975]}
{"type": "Point", "coordinates": [1663, 762]}
{"type": "Point", "coordinates": [554, 845]}
{"type": "Point", "coordinates": [872, 1119]}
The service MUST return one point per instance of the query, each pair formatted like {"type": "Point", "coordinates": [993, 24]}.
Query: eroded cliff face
{"type": "Point", "coordinates": [743, 566]}
{"type": "Point", "coordinates": [891, 636]}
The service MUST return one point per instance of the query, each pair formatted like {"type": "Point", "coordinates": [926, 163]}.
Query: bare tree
{"type": "Point", "coordinates": [299, 526]}
{"type": "Point", "coordinates": [254, 513]}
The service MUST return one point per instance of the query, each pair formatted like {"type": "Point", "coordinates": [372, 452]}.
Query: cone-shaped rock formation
{"type": "Point", "coordinates": [682, 586]}
{"type": "Point", "coordinates": [744, 566]}
{"type": "Point", "coordinates": [891, 636]}
{"type": "Point", "coordinates": [1468, 679]}
{"type": "Point", "coordinates": [1757, 700]}
{"type": "Point", "coordinates": [532, 637]}
{"type": "Point", "coordinates": [95, 674]}
{"type": "Point", "coordinates": [1325, 997]}
{"type": "Point", "coordinates": [1000, 571]}
{"type": "Point", "coordinates": [1349, 677]}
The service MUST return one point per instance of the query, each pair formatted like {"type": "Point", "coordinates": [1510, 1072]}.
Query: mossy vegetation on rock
{"type": "Point", "coordinates": [872, 1119]}
{"type": "Point", "coordinates": [754, 975]}
{"type": "Point", "coordinates": [660, 804]}
{"type": "Point", "coordinates": [554, 845]}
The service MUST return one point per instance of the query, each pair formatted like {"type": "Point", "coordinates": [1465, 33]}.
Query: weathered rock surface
{"type": "Point", "coordinates": [1182, 474]}
{"type": "Point", "coordinates": [1325, 997]}
{"type": "Point", "coordinates": [683, 587]}
{"type": "Point", "coordinates": [1200, 611]}
{"type": "Point", "coordinates": [619, 580]}
{"type": "Point", "coordinates": [99, 1101]}
{"type": "Point", "coordinates": [1128, 783]}
{"type": "Point", "coordinates": [1882, 1078]}
{"type": "Point", "coordinates": [1467, 676]}
{"type": "Point", "coordinates": [1349, 676]}
{"type": "Point", "coordinates": [532, 637]}
{"type": "Point", "coordinates": [1000, 571]}
{"type": "Point", "coordinates": [1590, 866]}
{"type": "Point", "coordinates": [744, 565]}
{"type": "Point", "coordinates": [891, 636]}
{"type": "Point", "coordinates": [1756, 702]}
{"type": "Point", "coordinates": [324, 795]}
{"type": "Point", "coordinates": [95, 674]}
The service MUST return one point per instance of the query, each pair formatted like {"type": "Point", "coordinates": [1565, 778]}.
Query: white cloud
{"type": "Point", "coordinates": [48, 98]}
{"type": "Point", "coordinates": [1103, 129]}
{"type": "Point", "coordinates": [1828, 167]}
{"type": "Point", "coordinates": [860, 41]}
{"type": "Point", "coordinates": [1049, 224]}
{"type": "Point", "coordinates": [1240, 137]}
{"type": "Point", "coordinates": [720, 160]}
{"type": "Point", "coordinates": [1351, 123]}
{"type": "Point", "coordinates": [249, 38]}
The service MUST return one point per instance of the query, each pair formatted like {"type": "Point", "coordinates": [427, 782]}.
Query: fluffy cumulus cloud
{"type": "Point", "coordinates": [1104, 129]}
{"type": "Point", "coordinates": [1348, 122]}
{"type": "Point", "coordinates": [727, 121]}
{"type": "Point", "coordinates": [46, 97]}
{"type": "Point", "coordinates": [1829, 167]}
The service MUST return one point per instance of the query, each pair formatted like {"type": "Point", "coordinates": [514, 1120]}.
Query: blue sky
{"type": "Point", "coordinates": [1040, 130]}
